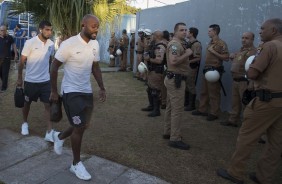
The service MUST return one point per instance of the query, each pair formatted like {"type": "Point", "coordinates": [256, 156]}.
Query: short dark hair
{"type": "Point", "coordinates": [124, 31]}
{"type": "Point", "coordinates": [166, 35]}
{"type": "Point", "coordinates": [178, 24]}
{"type": "Point", "coordinates": [19, 26]}
{"type": "Point", "coordinates": [194, 31]}
{"type": "Point", "coordinates": [44, 23]}
{"type": "Point", "coordinates": [216, 28]}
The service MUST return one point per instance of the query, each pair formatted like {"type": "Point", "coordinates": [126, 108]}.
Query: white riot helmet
{"type": "Point", "coordinates": [118, 52]}
{"type": "Point", "coordinates": [112, 56]}
{"type": "Point", "coordinates": [248, 62]}
{"type": "Point", "coordinates": [140, 30]}
{"type": "Point", "coordinates": [142, 68]}
{"type": "Point", "coordinates": [212, 75]}
{"type": "Point", "coordinates": [148, 32]}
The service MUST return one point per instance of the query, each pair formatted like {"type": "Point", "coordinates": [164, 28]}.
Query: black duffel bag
{"type": "Point", "coordinates": [56, 110]}
{"type": "Point", "coordinates": [19, 97]}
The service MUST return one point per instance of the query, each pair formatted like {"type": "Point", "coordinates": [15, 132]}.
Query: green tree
{"type": "Point", "coordinates": [65, 15]}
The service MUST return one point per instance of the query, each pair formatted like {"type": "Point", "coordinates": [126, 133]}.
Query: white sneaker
{"type": "Point", "coordinates": [25, 129]}
{"type": "Point", "coordinates": [58, 144]}
{"type": "Point", "coordinates": [80, 171]}
{"type": "Point", "coordinates": [49, 136]}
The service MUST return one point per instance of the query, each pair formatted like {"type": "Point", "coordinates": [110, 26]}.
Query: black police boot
{"type": "Point", "coordinates": [192, 100]}
{"type": "Point", "coordinates": [156, 111]}
{"type": "Point", "coordinates": [186, 99]}
{"type": "Point", "coordinates": [150, 98]}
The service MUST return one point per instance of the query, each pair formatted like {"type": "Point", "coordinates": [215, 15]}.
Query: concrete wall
{"type": "Point", "coordinates": [233, 16]}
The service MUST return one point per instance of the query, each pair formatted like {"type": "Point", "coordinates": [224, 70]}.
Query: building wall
{"type": "Point", "coordinates": [127, 22]}
{"type": "Point", "coordinates": [233, 16]}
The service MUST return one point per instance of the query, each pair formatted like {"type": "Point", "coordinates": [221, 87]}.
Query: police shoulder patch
{"type": "Point", "coordinates": [174, 50]}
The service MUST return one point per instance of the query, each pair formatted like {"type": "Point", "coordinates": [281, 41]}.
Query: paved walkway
{"type": "Point", "coordinates": [31, 160]}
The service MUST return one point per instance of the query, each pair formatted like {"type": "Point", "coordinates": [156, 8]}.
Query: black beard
{"type": "Point", "coordinates": [44, 37]}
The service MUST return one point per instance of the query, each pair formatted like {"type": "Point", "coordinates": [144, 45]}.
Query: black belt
{"type": "Point", "coordinates": [265, 95]}
{"type": "Point", "coordinates": [272, 95]}
{"type": "Point", "coordinates": [171, 75]}
{"type": "Point", "coordinates": [240, 79]}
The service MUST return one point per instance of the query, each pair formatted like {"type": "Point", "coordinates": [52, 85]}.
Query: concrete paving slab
{"type": "Point", "coordinates": [31, 160]}
{"type": "Point", "coordinates": [8, 136]}
{"type": "Point", "coordinates": [133, 176]}
{"type": "Point", "coordinates": [38, 169]}
{"type": "Point", "coordinates": [102, 171]}
{"type": "Point", "coordinates": [20, 150]}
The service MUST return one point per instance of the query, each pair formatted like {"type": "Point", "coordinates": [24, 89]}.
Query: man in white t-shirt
{"type": "Point", "coordinates": [36, 54]}
{"type": "Point", "coordinates": [80, 56]}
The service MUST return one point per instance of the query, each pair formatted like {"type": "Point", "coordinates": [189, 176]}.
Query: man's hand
{"type": "Point", "coordinates": [20, 83]}
{"type": "Point", "coordinates": [232, 56]}
{"type": "Point", "coordinates": [102, 95]}
{"type": "Point", "coordinates": [211, 50]}
{"type": "Point", "coordinates": [189, 52]}
{"type": "Point", "coordinates": [54, 96]}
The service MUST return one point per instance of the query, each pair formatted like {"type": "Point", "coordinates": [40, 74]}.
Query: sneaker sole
{"type": "Point", "coordinates": [72, 171]}
{"type": "Point", "coordinates": [48, 140]}
{"type": "Point", "coordinates": [24, 133]}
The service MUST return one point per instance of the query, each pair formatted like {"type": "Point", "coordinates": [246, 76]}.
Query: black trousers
{"type": "Point", "coordinates": [4, 72]}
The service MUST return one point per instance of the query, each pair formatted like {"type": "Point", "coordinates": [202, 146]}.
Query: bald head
{"type": "Point", "coordinates": [3, 30]}
{"type": "Point", "coordinates": [90, 26]}
{"type": "Point", "coordinates": [270, 29]}
{"type": "Point", "coordinates": [249, 34]}
{"type": "Point", "coordinates": [89, 18]}
{"type": "Point", "coordinates": [276, 23]}
{"type": "Point", "coordinates": [248, 39]}
{"type": "Point", "coordinates": [158, 35]}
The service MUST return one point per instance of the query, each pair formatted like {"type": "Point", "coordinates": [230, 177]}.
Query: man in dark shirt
{"type": "Point", "coordinates": [6, 41]}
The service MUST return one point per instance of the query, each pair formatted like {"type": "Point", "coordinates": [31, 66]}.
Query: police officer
{"type": "Point", "coordinates": [139, 51]}
{"type": "Point", "coordinates": [166, 39]}
{"type": "Point", "coordinates": [216, 53]}
{"type": "Point", "coordinates": [112, 48]}
{"type": "Point", "coordinates": [177, 62]}
{"type": "Point", "coordinates": [240, 82]}
{"type": "Point", "coordinates": [194, 63]}
{"type": "Point", "coordinates": [155, 60]}
{"type": "Point", "coordinates": [124, 42]}
{"type": "Point", "coordinates": [147, 43]}
{"type": "Point", "coordinates": [264, 112]}
{"type": "Point", "coordinates": [132, 44]}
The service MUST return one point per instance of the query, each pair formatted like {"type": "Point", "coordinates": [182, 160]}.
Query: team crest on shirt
{"type": "Point", "coordinates": [76, 120]}
{"type": "Point", "coordinates": [26, 98]}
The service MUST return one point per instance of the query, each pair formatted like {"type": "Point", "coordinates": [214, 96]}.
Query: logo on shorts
{"type": "Point", "coordinates": [76, 120]}
{"type": "Point", "coordinates": [26, 98]}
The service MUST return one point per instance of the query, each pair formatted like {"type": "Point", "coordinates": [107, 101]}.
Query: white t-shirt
{"type": "Point", "coordinates": [78, 57]}
{"type": "Point", "coordinates": [38, 55]}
